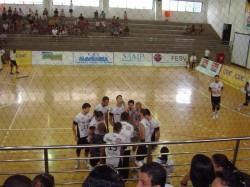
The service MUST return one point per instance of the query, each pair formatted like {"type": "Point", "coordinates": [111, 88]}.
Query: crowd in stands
{"type": "Point", "coordinates": [16, 21]}
{"type": "Point", "coordinates": [193, 29]}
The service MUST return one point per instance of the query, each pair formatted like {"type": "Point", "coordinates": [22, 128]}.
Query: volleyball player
{"type": "Point", "coordinates": [115, 112]}
{"type": "Point", "coordinates": [247, 90]}
{"type": "Point", "coordinates": [103, 106]}
{"type": "Point", "coordinates": [80, 128]}
{"type": "Point", "coordinates": [216, 87]}
{"type": "Point", "coordinates": [93, 126]}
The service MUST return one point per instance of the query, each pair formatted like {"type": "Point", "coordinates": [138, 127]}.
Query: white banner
{"type": "Point", "coordinates": [52, 57]}
{"type": "Point", "coordinates": [209, 67]}
{"type": "Point", "coordinates": [93, 58]}
{"type": "Point", "coordinates": [133, 59]}
{"type": "Point", "coordinates": [161, 59]}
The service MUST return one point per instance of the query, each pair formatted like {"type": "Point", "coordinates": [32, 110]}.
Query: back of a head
{"type": "Point", "coordinates": [43, 180]}
{"type": "Point", "coordinates": [98, 114]}
{"type": "Point", "coordinates": [202, 171]}
{"type": "Point", "coordinates": [231, 178]}
{"type": "Point", "coordinates": [164, 150]}
{"type": "Point", "coordinates": [146, 112]}
{"type": "Point", "coordinates": [156, 172]}
{"type": "Point", "coordinates": [117, 126]}
{"type": "Point", "coordinates": [17, 181]}
{"type": "Point", "coordinates": [222, 161]}
{"type": "Point", "coordinates": [103, 176]}
{"type": "Point", "coordinates": [124, 116]}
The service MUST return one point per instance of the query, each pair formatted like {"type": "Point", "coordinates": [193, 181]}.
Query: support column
{"type": "Point", "coordinates": [157, 7]}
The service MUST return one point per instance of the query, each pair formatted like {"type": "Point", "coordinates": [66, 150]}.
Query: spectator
{"type": "Point", "coordinates": [117, 22]}
{"type": "Point", "coordinates": [54, 31]}
{"type": "Point", "coordinates": [221, 163]}
{"type": "Point", "coordinates": [193, 29]}
{"type": "Point", "coordinates": [207, 53]}
{"type": "Point", "coordinates": [166, 162]}
{"type": "Point", "coordinates": [102, 15]}
{"type": "Point", "coordinates": [62, 14]}
{"type": "Point", "coordinates": [2, 53]}
{"type": "Point", "coordinates": [9, 12]}
{"type": "Point", "coordinates": [14, 15]}
{"type": "Point", "coordinates": [56, 13]}
{"type": "Point", "coordinates": [4, 14]}
{"type": "Point", "coordinates": [113, 21]}
{"type": "Point", "coordinates": [30, 13]}
{"type": "Point", "coordinates": [192, 60]}
{"type": "Point", "coordinates": [152, 174]}
{"type": "Point", "coordinates": [200, 29]}
{"type": "Point", "coordinates": [34, 28]}
{"type": "Point", "coordinates": [103, 176]}
{"type": "Point", "coordinates": [120, 31]}
{"type": "Point", "coordinates": [17, 181]}
{"type": "Point", "coordinates": [126, 31]}
{"type": "Point", "coordinates": [20, 14]}
{"type": "Point", "coordinates": [103, 25]}
{"type": "Point", "coordinates": [97, 25]}
{"type": "Point", "coordinates": [96, 14]}
{"type": "Point", "coordinates": [71, 8]}
{"type": "Point", "coordinates": [201, 172]}
{"type": "Point", "coordinates": [45, 14]}
{"type": "Point", "coordinates": [81, 17]}
{"type": "Point", "coordinates": [36, 16]}
{"type": "Point", "coordinates": [6, 27]}
{"type": "Point", "coordinates": [43, 180]}
{"type": "Point", "coordinates": [65, 30]}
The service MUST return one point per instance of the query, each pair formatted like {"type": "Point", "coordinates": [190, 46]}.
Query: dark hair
{"type": "Point", "coordinates": [146, 112]}
{"type": "Point", "coordinates": [232, 178]}
{"type": "Point", "coordinates": [101, 127]}
{"type": "Point", "coordinates": [14, 51]}
{"type": "Point", "coordinates": [17, 180]}
{"type": "Point", "coordinates": [45, 180]}
{"type": "Point", "coordinates": [117, 126]}
{"type": "Point", "coordinates": [222, 161]}
{"type": "Point", "coordinates": [86, 105]}
{"type": "Point", "coordinates": [103, 176]}
{"type": "Point", "coordinates": [105, 98]}
{"type": "Point", "coordinates": [217, 76]}
{"type": "Point", "coordinates": [131, 101]}
{"type": "Point", "coordinates": [124, 116]}
{"type": "Point", "coordinates": [164, 150]}
{"type": "Point", "coordinates": [156, 172]}
{"type": "Point", "coordinates": [202, 171]}
{"type": "Point", "coordinates": [118, 96]}
{"type": "Point", "coordinates": [98, 114]}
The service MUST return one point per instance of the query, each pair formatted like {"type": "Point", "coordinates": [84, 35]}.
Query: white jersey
{"type": "Point", "coordinates": [13, 56]}
{"type": "Point", "coordinates": [101, 108]}
{"type": "Point", "coordinates": [127, 132]}
{"type": "Point", "coordinates": [216, 88]}
{"type": "Point", "coordinates": [153, 125]}
{"type": "Point", "coordinates": [147, 127]}
{"type": "Point", "coordinates": [117, 111]}
{"type": "Point", "coordinates": [2, 52]}
{"type": "Point", "coordinates": [95, 123]}
{"type": "Point", "coordinates": [207, 53]}
{"type": "Point", "coordinates": [248, 90]}
{"type": "Point", "coordinates": [113, 138]}
{"type": "Point", "coordinates": [193, 58]}
{"type": "Point", "coordinates": [168, 166]}
{"type": "Point", "coordinates": [82, 121]}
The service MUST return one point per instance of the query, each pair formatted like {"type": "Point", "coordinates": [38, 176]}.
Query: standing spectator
{"type": "Point", "coordinates": [207, 53]}
{"type": "Point", "coordinates": [56, 13]}
{"type": "Point", "coordinates": [113, 152]}
{"type": "Point", "coordinates": [81, 17]}
{"type": "Point", "coordinates": [36, 15]}
{"type": "Point", "coordinates": [165, 161]}
{"type": "Point", "coordinates": [13, 61]}
{"type": "Point", "coordinates": [102, 15]}
{"type": "Point", "coordinates": [14, 15]}
{"type": "Point", "coordinates": [103, 25]}
{"type": "Point", "coordinates": [193, 60]}
{"type": "Point", "coordinates": [80, 131]}
{"type": "Point", "coordinates": [247, 100]}
{"type": "Point", "coordinates": [9, 12]}
{"type": "Point", "coordinates": [215, 88]}
{"type": "Point", "coordinates": [62, 14]}
{"type": "Point", "coordinates": [71, 8]}
{"type": "Point", "coordinates": [45, 14]}
{"type": "Point", "coordinates": [152, 174]}
{"type": "Point", "coordinates": [4, 14]}
{"type": "Point", "coordinates": [97, 25]}
{"type": "Point", "coordinates": [30, 13]}
{"type": "Point", "coordinates": [120, 31]}
{"type": "Point", "coordinates": [96, 14]}
{"type": "Point", "coordinates": [20, 14]}
{"type": "Point", "coordinates": [6, 27]}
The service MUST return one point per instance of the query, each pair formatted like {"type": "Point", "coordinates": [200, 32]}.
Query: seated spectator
{"type": "Point", "coordinates": [201, 173]}
{"type": "Point", "coordinates": [96, 14]}
{"type": "Point", "coordinates": [52, 22]}
{"type": "Point", "coordinates": [56, 13]}
{"type": "Point", "coordinates": [62, 14]}
{"type": "Point", "coordinates": [221, 163]}
{"type": "Point", "coordinates": [34, 28]}
{"type": "Point", "coordinates": [120, 31]}
{"type": "Point", "coordinates": [30, 13]}
{"type": "Point", "coordinates": [9, 12]}
{"type": "Point", "coordinates": [54, 31]}
{"type": "Point", "coordinates": [3, 39]}
{"type": "Point", "coordinates": [113, 20]}
{"type": "Point", "coordinates": [45, 14]}
{"type": "Point", "coordinates": [193, 29]}
{"type": "Point", "coordinates": [36, 16]}
{"type": "Point", "coordinates": [103, 25]}
{"type": "Point", "coordinates": [97, 25]}
{"type": "Point", "coordinates": [192, 61]}
{"type": "Point", "coordinates": [103, 176]}
{"type": "Point", "coordinates": [19, 25]}
{"type": "Point", "coordinates": [43, 180]}
{"type": "Point", "coordinates": [17, 181]}
{"type": "Point", "coordinates": [65, 30]}
{"type": "Point", "coordinates": [126, 31]}
{"type": "Point", "coordinates": [4, 14]}
{"type": "Point", "coordinates": [81, 17]}
{"type": "Point", "coordinates": [200, 29]}
{"type": "Point", "coordinates": [166, 162]}
{"type": "Point", "coordinates": [102, 15]}
{"type": "Point", "coordinates": [20, 14]}
{"type": "Point", "coordinates": [152, 174]}
{"type": "Point", "coordinates": [14, 15]}
{"type": "Point", "coordinates": [116, 31]}
{"type": "Point", "coordinates": [6, 27]}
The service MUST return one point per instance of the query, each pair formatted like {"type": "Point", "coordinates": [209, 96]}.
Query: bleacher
{"type": "Point", "coordinates": [145, 36]}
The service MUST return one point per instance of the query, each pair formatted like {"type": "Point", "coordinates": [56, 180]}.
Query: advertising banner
{"type": "Point", "coordinates": [133, 59]}
{"type": "Point", "coordinates": [209, 67]}
{"type": "Point", "coordinates": [235, 77]}
{"type": "Point", "coordinates": [93, 58]}
{"type": "Point", "coordinates": [247, 15]}
{"type": "Point", "coordinates": [52, 57]}
{"type": "Point", "coordinates": [161, 59]}
{"type": "Point", "coordinates": [23, 57]}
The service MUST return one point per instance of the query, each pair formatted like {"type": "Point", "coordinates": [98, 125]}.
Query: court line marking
{"type": "Point", "coordinates": [18, 109]}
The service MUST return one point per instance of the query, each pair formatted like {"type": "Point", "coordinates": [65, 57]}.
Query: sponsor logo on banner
{"type": "Point", "coordinates": [162, 59]}
{"type": "Point", "coordinates": [204, 63]}
{"type": "Point", "coordinates": [51, 56]}
{"type": "Point", "coordinates": [23, 57]}
{"type": "Point", "coordinates": [133, 59]}
{"type": "Point", "coordinates": [215, 67]}
{"type": "Point", "coordinates": [93, 58]}
{"type": "Point", "coordinates": [209, 67]}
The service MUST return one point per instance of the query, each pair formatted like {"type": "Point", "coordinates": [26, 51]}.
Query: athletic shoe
{"type": "Point", "coordinates": [17, 72]}
{"type": "Point", "coordinates": [139, 163]}
{"type": "Point", "coordinates": [216, 116]}
{"type": "Point", "coordinates": [77, 165]}
{"type": "Point", "coordinates": [245, 104]}
{"type": "Point", "coordinates": [85, 162]}
{"type": "Point", "coordinates": [11, 73]}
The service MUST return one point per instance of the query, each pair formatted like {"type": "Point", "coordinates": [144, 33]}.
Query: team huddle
{"type": "Point", "coordinates": [131, 123]}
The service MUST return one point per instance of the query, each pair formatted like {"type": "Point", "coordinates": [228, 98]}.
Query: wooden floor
{"type": "Point", "coordinates": [38, 110]}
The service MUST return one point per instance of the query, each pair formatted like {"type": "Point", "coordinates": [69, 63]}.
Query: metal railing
{"type": "Point", "coordinates": [46, 160]}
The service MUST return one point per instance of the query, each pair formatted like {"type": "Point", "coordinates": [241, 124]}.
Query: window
{"type": "Point", "coordinates": [94, 3]}
{"type": "Point", "coordinates": [182, 6]}
{"type": "Point", "coordinates": [134, 4]}
{"type": "Point", "coordinates": [21, 1]}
